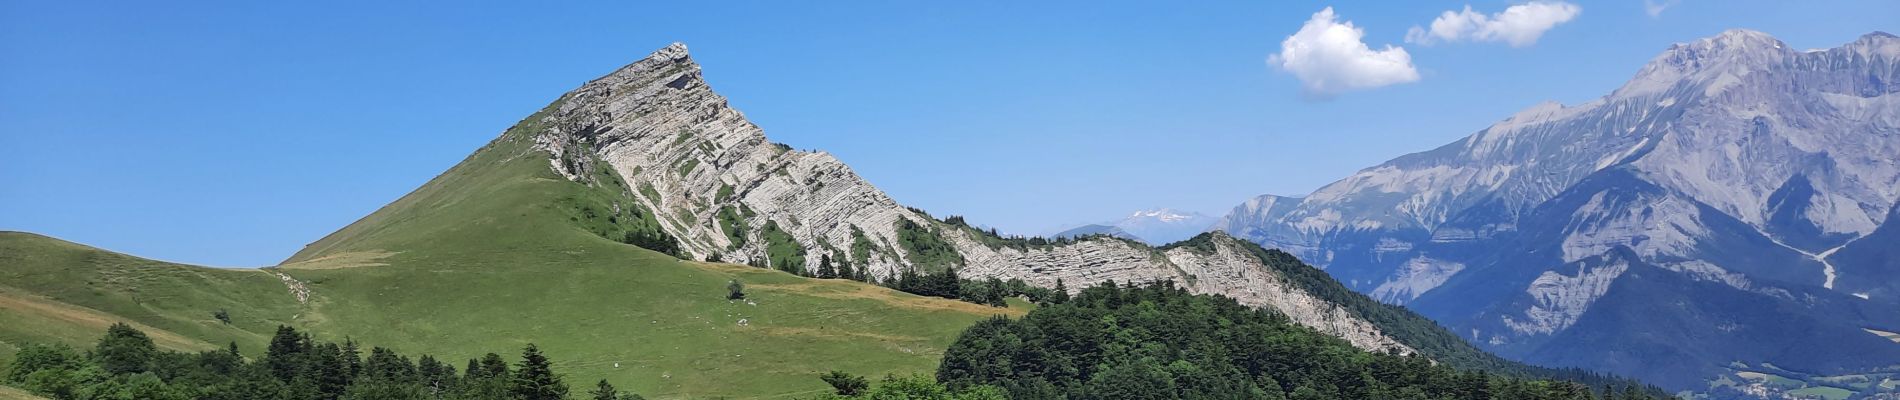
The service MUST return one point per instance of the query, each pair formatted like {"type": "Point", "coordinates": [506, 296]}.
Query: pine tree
{"type": "Point", "coordinates": [486, 379]}
{"type": "Point", "coordinates": [352, 356]}
{"type": "Point", "coordinates": [473, 370]}
{"type": "Point", "coordinates": [493, 366]}
{"type": "Point", "coordinates": [994, 292]}
{"type": "Point", "coordinates": [825, 270]}
{"type": "Point", "coordinates": [535, 378]}
{"type": "Point", "coordinates": [1060, 294]}
{"type": "Point", "coordinates": [604, 391]}
{"type": "Point", "coordinates": [285, 353]}
{"type": "Point", "coordinates": [328, 371]}
{"type": "Point", "coordinates": [436, 376]}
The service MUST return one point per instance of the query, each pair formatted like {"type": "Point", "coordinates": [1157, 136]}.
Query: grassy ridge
{"type": "Point", "coordinates": [52, 291]}
{"type": "Point", "coordinates": [495, 253]}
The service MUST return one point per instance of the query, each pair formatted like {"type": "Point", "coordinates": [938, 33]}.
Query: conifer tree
{"type": "Point", "coordinates": [825, 270]}
{"type": "Point", "coordinates": [352, 356]}
{"type": "Point", "coordinates": [285, 353]}
{"type": "Point", "coordinates": [604, 391]}
{"type": "Point", "coordinates": [436, 376]}
{"type": "Point", "coordinates": [535, 378]}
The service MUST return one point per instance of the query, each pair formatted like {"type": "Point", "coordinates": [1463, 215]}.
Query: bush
{"type": "Point", "coordinates": [845, 384]}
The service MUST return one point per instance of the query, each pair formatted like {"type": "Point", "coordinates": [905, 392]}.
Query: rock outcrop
{"type": "Point", "coordinates": [719, 186]}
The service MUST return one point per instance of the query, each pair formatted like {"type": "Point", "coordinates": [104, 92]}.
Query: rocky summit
{"type": "Point", "coordinates": [727, 193]}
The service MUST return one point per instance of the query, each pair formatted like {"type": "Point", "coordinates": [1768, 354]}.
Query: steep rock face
{"type": "Point", "coordinates": [725, 192]}
{"type": "Point", "coordinates": [1732, 160]}
{"type": "Point", "coordinates": [658, 124]}
{"type": "Point", "coordinates": [1224, 269]}
{"type": "Point", "coordinates": [1233, 272]}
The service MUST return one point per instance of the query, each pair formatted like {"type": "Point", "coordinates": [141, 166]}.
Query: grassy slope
{"type": "Point", "coordinates": [52, 291]}
{"type": "Point", "coordinates": [9, 393]}
{"type": "Point", "coordinates": [498, 252]}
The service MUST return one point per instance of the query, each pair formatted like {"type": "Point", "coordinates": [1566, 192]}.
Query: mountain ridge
{"type": "Point", "coordinates": [1731, 159]}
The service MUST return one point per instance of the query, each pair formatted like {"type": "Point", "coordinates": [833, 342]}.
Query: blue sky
{"type": "Point", "coordinates": [230, 134]}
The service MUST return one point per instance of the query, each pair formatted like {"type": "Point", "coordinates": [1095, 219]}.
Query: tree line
{"type": "Point", "coordinates": [126, 365]}
{"type": "Point", "coordinates": [1157, 341]}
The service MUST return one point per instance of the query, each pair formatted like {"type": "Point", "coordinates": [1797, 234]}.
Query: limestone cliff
{"type": "Point", "coordinates": [726, 192]}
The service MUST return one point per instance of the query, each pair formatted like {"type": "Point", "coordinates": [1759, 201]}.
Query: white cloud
{"type": "Point", "coordinates": [1656, 7]}
{"type": "Point", "coordinates": [1519, 25]}
{"type": "Point", "coordinates": [1330, 56]}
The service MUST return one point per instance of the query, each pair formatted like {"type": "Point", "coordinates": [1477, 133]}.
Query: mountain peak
{"type": "Point", "coordinates": [1164, 214]}
{"type": "Point", "coordinates": [674, 52]}
{"type": "Point", "coordinates": [1733, 44]}
{"type": "Point", "coordinates": [1734, 51]}
{"type": "Point", "coordinates": [1877, 43]}
{"type": "Point", "coordinates": [665, 61]}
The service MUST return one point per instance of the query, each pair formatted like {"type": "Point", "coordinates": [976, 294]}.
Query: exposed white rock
{"type": "Point", "coordinates": [691, 156]}
{"type": "Point", "coordinates": [1653, 225]}
{"type": "Point", "coordinates": [1420, 274]}
{"type": "Point", "coordinates": [1559, 299]}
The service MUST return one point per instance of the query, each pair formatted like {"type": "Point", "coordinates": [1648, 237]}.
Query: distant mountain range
{"type": "Point", "coordinates": [1155, 227]}
{"type": "Point", "coordinates": [1726, 216]}
{"type": "Point", "coordinates": [1729, 209]}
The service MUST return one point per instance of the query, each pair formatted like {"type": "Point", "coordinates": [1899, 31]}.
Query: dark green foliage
{"type": "Point", "coordinates": [861, 248]}
{"type": "Point", "coordinates": [986, 292]}
{"type": "Point", "coordinates": [905, 387]}
{"type": "Point", "coordinates": [125, 350]}
{"type": "Point", "coordinates": [123, 367]}
{"type": "Point", "coordinates": [946, 284]}
{"type": "Point", "coordinates": [733, 224]}
{"type": "Point", "coordinates": [989, 292]}
{"type": "Point", "coordinates": [845, 384]}
{"type": "Point", "coordinates": [609, 217]}
{"type": "Point", "coordinates": [604, 391]}
{"type": "Point", "coordinates": [927, 247]}
{"type": "Point", "coordinates": [222, 315]}
{"type": "Point", "coordinates": [995, 240]}
{"type": "Point", "coordinates": [825, 269]}
{"type": "Point", "coordinates": [37, 357]}
{"type": "Point", "coordinates": [1430, 339]}
{"type": "Point", "coordinates": [1158, 341]}
{"type": "Point", "coordinates": [735, 290]}
{"type": "Point", "coordinates": [725, 192]}
{"type": "Point", "coordinates": [535, 379]}
{"type": "Point", "coordinates": [939, 284]}
{"type": "Point", "coordinates": [656, 240]}
{"type": "Point", "coordinates": [782, 251]}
